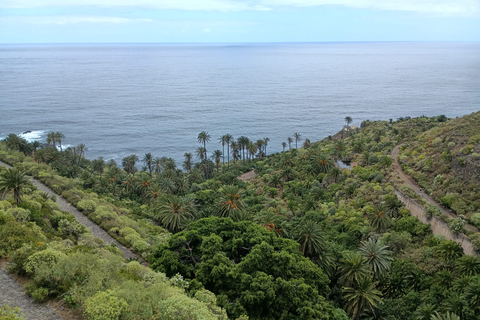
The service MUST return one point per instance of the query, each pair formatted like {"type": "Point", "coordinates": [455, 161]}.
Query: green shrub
{"type": "Point", "coordinates": [9, 313]}
{"type": "Point", "coordinates": [45, 258]}
{"type": "Point", "coordinates": [104, 306]}
{"type": "Point", "coordinates": [87, 205]}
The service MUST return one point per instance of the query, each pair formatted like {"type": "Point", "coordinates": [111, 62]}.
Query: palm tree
{"type": "Point", "coordinates": [361, 296]}
{"type": "Point", "coordinates": [311, 239]}
{"type": "Point", "coordinates": [200, 153]}
{"type": "Point", "coordinates": [51, 138]}
{"type": "Point", "coordinates": [228, 140]}
{"type": "Point", "coordinates": [187, 164]}
{"type": "Point", "coordinates": [148, 160]}
{"type": "Point", "coordinates": [58, 138]}
{"type": "Point", "coordinates": [265, 143]}
{"type": "Point", "coordinates": [234, 146]}
{"type": "Point", "coordinates": [377, 256]}
{"type": "Point", "coordinates": [81, 151]}
{"type": "Point", "coordinates": [243, 144]}
{"type": "Point", "coordinates": [307, 143]}
{"type": "Point", "coordinates": [216, 155]}
{"type": "Point", "coordinates": [450, 250]}
{"type": "Point", "coordinates": [468, 266]}
{"type": "Point", "coordinates": [14, 180]}
{"type": "Point", "coordinates": [98, 165]}
{"type": "Point", "coordinates": [14, 142]}
{"type": "Point", "coordinates": [174, 212]}
{"type": "Point", "coordinates": [348, 120]}
{"type": "Point", "coordinates": [129, 162]}
{"type": "Point", "coordinates": [223, 140]}
{"type": "Point", "coordinates": [472, 293]}
{"type": "Point", "coordinates": [379, 220]}
{"type": "Point", "coordinates": [204, 137]}
{"type": "Point", "coordinates": [260, 143]}
{"type": "Point", "coordinates": [297, 137]}
{"type": "Point", "coordinates": [284, 145]}
{"type": "Point", "coordinates": [231, 202]}
{"type": "Point", "coordinates": [424, 312]}
{"type": "Point", "coordinates": [353, 267]}
{"type": "Point", "coordinates": [252, 149]}
{"type": "Point", "coordinates": [290, 140]}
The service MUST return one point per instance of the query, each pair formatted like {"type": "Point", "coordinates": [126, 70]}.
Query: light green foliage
{"type": "Point", "coordinates": [475, 219]}
{"type": "Point", "coordinates": [9, 313]}
{"type": "Point", "coordinates": [105, 212]}
{"type": "Point", "coordinates": [44, 259]}
{"type": "Point", "coordinates": [87, 205]}
{"type": "Point", "coordinates": [181, 307]}
{"type": "Point", "coordinates": [104, 306]}
{"type": "Point", "coordinates": [20, 214]}
{"type": "Point", "coordinates": [457, 225]}
{"type": "Point", "coordinates": [5, 205]}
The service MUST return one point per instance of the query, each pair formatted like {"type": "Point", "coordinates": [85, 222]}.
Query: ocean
{"type": "Point", "coordinates": [123, 99]}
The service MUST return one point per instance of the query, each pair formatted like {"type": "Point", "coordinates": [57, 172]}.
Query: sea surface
{"type": "Point", "coordinates": [132, 99]}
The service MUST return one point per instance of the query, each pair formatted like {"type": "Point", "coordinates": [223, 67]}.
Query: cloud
{"type": "Point", "coordinates": [64, 20]}
{"type": "Point", "coordinates": [423, 6]}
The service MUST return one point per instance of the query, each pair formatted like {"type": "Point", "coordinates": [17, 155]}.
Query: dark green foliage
{"type": "Point", "coordinates": [250, 270]}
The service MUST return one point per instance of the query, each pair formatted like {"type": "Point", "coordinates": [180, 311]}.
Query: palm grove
{"type": "Point", "coordinates": [303, 240]}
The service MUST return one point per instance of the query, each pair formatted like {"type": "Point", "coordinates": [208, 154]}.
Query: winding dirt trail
{"type": "Point", "coordinates": [82, 219]}
{"type": "Point", "coordinates": [398, 169]}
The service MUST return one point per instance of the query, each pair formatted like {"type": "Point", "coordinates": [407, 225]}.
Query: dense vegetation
{"type": "Point", "coordinates": [303, 240]}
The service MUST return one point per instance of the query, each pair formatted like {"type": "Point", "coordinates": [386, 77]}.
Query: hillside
{"type": "Point", "coordinates": [305, 239]}
{"type": "Point", "coordinates": [445, 161]}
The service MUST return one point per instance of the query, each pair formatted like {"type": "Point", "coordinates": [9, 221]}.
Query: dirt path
{"type": "Point", "coordinates": [248, 175]}
{"type": "Point", "coordinates": [13, 295]}
{"type": "Point", "coordinates": [398, 169]}
{"type": "Point", "coordinates": [93, 227]}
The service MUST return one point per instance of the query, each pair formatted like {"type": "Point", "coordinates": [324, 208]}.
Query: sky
{"type": "Point", "coordinates": [220, 21]}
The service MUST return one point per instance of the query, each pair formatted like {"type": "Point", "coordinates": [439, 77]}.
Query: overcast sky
{"type": "Point", "coordinates": [93, 21]}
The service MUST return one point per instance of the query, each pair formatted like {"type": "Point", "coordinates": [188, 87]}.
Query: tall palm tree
{"type": "Point", "coordinates": [216, 156]}
{"type": "Point", "coordinates": [228, 140]}
{"type": "Point", "coordinates": [157, 163]}
{"type": "Point", "coordinates": [81, 151]}
{"type": "Point", "coordinates": [174, 212]}
{"type": "Point", "coordinates": [51, 138]}
{"type": "Point", "coordinates": [252, 149]}
{"type": "Point", "coordinates": [472, 293]}
{"type": "Point", "coordinates": [223, 141]}
{"type": "Point", "coordinates": [290, 140]}
{"type": "Point", "coordinates": [362, 295]}
{"type": "Point", "coordinates": [148, 160]}
{"type": "Point", "coordinates": [243, 144]}
{"type": "Point", "coordinates": [424, 312]}
{"type": "Point", "coordinates": [129, 162]}
{"type": "Point", "coordinates": [204, 137]}
{"type": "Point", "coordinates": [377, 256]}
{"type": "Point", "coordinates": [187, 164]}
{"type": "Point", "coordinates": [297, 137]}
{"type": "Point", "coordinates": [312, 242]}
{"type": "Point", "coordinates": [450, 250]}
{"type": "Point", "coordinates": [284, 145]}
{"type": "Point", "coordinates": [58, 138]}
{"type": "Point", "coordinates": [14, 180]}
{"type": "Point", "coordinates": [260, 143]}
{"type": "Point", "coordinates": [231, 202]}
{"type": "Point", "coordinates": [234, 146]}
{"type": "Point", "coordinates": [265, 143]}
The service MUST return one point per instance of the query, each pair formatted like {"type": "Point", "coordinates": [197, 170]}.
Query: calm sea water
{"type": "Point", "coordinates": [133, 99]}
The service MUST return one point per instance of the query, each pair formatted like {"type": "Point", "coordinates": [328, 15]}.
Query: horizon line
{"type": "Point", "coordinates": [242, 42]}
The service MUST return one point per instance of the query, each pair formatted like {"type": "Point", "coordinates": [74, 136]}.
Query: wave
{"type": "Point", "coordinates": [31, 136]}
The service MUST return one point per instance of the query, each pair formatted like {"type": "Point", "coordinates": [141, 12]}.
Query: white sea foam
{"type": "Point", "coordinates": [31, 136]}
